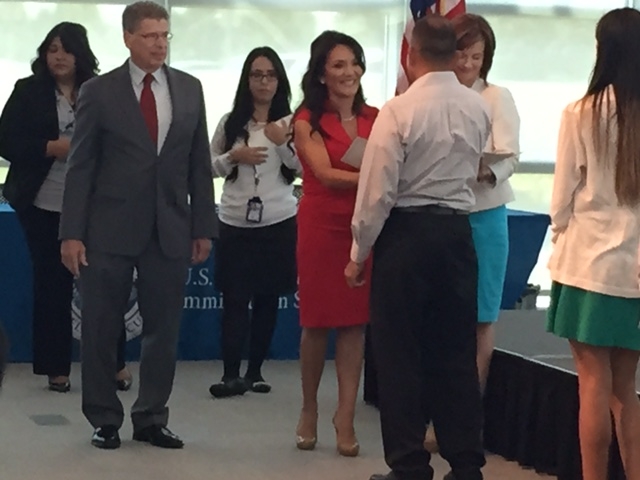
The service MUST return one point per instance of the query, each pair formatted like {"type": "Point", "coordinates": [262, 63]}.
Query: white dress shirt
{"type": "Point", "coordinates": [504, 138]}
{"type": "Point", "coordinates": [595, 240]}
{"type": "Point", "coordinates": [277, 197]}
{"type": "Point", "coordinates": [424, 149]}
{"type": "Point", "coordinates": [162, 94]}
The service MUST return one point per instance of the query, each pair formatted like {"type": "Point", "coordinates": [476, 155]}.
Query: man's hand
{"type": "Point", "coordinates": [354, 273]}
{"type": "Point", "coordinates": [73, 255]}
{"type": "Point", "coordinates": [200, 250]}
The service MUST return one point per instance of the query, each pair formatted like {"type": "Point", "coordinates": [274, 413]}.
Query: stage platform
{"type": "Point", "coordinates": [531, 402]}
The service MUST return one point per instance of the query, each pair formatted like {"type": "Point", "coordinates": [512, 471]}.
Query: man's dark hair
{"type": "Point", "coordinates": [435, 38]}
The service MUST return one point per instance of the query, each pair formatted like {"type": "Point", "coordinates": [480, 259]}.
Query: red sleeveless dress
{"type": "Point", "coordinates": [324, 236]}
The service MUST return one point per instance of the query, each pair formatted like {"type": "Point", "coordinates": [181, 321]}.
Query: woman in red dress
{"type": "Point", "coordinates": [333, 114]}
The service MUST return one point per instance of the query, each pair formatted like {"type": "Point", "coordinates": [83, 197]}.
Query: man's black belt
{"type": "Point", "coordinates": [432, 209]}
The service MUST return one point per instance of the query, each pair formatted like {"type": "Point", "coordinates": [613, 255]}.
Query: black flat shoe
{"type": "Point", "coordinates": [124, 385]}
{"type": "Point", "coordinates": [257, 385]}
{"type": "Point", "coordinates": [63, 387]}
{"type": "Point", "coordinates": [228, 388]}
{"type": "Point", "coordinates": [106, 438]}
{"type": "Point", "coordinates": [158, 437]}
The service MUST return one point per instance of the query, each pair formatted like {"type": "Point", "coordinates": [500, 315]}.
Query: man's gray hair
{"type": "Point", "coordinates": [137, 12]}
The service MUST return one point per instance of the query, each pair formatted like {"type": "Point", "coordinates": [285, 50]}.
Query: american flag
{"type": "Point", "coordinates": [418, 9]}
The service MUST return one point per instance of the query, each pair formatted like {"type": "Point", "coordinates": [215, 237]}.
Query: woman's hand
{"type": "Point", "coordinates": [58, 148]}
{"type": "Point", "coordinates": [485, 174]}
{"type": "Point", "coordinates": [277, 132]}
{"type": "Point", "coordinates": [249, 155]}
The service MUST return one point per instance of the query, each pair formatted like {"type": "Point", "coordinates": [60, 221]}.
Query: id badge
{"type": "Point", "coordinates": [254, 210]}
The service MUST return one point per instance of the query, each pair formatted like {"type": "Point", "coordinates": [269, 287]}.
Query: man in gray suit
{"type": "Point", "coordinates": [139, 194]}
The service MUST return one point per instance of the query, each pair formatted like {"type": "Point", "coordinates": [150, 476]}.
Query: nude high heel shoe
{"type": "Point", "coordinates": [349, 448]}
{"type": "Point", "coordinates": [307, 442]}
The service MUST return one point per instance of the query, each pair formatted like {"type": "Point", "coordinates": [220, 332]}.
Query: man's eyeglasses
{"type": "Point", "coordinates": [154, 37]}
{"type": "Point", "coordinates": [259, 76]}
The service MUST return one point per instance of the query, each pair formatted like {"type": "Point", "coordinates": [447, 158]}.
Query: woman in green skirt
{"type": "Point", "coordinates": [595, 216]}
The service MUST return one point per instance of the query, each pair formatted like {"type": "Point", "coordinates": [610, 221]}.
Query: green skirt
{"type": "Point", "coordinates": [594, 318]}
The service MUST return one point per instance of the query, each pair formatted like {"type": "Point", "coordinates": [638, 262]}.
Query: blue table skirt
{"type": "Point", "coordinates": [200, 330]}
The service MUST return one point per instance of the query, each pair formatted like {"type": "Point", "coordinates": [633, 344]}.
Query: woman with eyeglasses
{"type": "Point", "coordinates": [255, 253]}
{"type": "Point", "coordinates": [35, 130]}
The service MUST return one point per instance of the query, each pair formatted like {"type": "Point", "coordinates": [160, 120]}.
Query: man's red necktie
{"type": "Point", "coordinates": [148, 106]}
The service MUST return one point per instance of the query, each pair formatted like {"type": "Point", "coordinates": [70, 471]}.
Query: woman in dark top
{"type": "Point", "coordinates": [35, 129]}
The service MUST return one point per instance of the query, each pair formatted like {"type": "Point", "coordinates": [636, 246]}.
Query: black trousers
{"type": "Point", "coordinates": [423, 333]}
{"type": "Point", "coordinates": [239, 322]}
{"type": "Point", "coordinates": [52, 295]}
{"type": "Point", "coordinates": [121, 363]}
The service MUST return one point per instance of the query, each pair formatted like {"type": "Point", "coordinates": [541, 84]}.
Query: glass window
{"type": "Point", "coordinates": [545, 53]}
{"type": "Point", "coordinates": [212, 39]}
{"type": "Point", "coordinates": [235, 30]}
{"type": "Point", "coordinates": [23, 26]}
{"type": "Point", "coordinates": [289, 29]}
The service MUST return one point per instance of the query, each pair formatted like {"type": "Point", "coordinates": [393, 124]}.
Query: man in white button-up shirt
{"type": "Point", "coordinates": [414, 196]}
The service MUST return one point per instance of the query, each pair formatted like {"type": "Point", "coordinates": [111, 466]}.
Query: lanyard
{"type": "Point", "coordinates": [256, 181]}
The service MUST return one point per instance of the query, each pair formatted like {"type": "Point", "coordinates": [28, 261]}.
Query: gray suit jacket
{"type": "Point", "coordinates": [119, 189]}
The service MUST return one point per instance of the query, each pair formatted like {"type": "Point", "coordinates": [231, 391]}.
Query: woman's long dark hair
{"type": "Point", "coordinates": [618, 66]}
{"type": "Point", "coordinates": [73, 37]}
{"type": "Point", "coordinates": [243, 107]}
{"type": "Point", "coordinates": [315, 92]}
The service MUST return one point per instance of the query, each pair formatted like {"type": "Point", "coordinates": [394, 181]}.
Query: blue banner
{"type": "Point", "coordinates": [201, 318]}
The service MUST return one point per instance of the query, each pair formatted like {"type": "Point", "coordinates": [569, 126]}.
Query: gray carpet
{"type": "Point", "coordinates": [45, 437]}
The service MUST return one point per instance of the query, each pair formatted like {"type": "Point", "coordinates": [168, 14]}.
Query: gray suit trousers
{"type": "Point", "coordinates": [105, 286]}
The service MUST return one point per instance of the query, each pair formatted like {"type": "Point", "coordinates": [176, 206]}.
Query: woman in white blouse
{"type": "Point", "coordinates": [255, 254]}
{"type": "Point", "coordinates": [476, 48]}
{"type": "Point", "coordinates": [595, 221]}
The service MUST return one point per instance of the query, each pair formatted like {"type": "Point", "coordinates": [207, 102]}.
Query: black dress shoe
{"type": "Point", "coordinates": [380, 476]}
{"type": "Point", "coordinates": [106, 437]}
{"type": "Point", "coordinates": [393, 476]}
{"type": "Point", "coordinates": [449, 476]}
{"type": "Point", "coordinates": [229, 388]}
{"type": "Point", "coordinates": [158, 437]}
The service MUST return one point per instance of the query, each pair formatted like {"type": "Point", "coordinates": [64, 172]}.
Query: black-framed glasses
{"type": "Point", "coordinates": [259, 76]}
